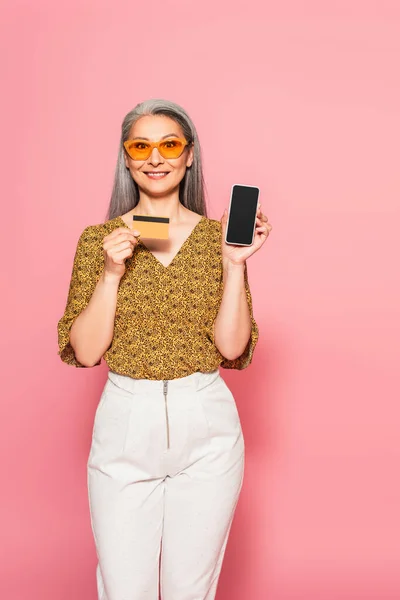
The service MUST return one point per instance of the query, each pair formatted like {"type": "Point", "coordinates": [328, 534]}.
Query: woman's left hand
{"type": "Point", "coordinates": [239, 254]}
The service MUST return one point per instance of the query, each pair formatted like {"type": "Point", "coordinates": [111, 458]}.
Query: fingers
{"type": "Point", "coordinates": [119, 247]}
{"type": "Point", "coordinates": [120, 238]}
{"type": "Point", "coordinates": [264, 229]}
{"type": "Point", "coordinates": [118, 253]}
{"type": "Point", "coordinates": [119, 244]}
{"type": "Point", "coordinates": [122, 231]}
{"type": "Point", "coordinates": [262, 225]}
{"type": "Point", "coordinates": [260, 215]}
{"type": "Point", "coordinates": [119, 257]}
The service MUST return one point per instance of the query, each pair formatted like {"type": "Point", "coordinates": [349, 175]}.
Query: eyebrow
{"type": "Point", "coordinates": [141, 137]}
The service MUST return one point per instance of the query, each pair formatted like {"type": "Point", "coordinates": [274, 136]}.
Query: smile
{"type": "Point", "coordinates": [157, 175]}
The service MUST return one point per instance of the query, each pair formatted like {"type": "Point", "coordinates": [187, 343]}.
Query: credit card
{"type": "Point", "coordinates": [152, 227]}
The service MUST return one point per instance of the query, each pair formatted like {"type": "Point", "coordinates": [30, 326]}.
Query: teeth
{"type": "Point", "coordinates": [158, 174]}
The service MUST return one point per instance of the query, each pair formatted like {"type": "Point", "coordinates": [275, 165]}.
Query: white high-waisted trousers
{"type": "Point", "coordinates": [165, 471]}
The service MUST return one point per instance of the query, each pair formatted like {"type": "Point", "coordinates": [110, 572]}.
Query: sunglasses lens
{"type": "Point", "coordinates": [138, 149]}
{"type": "Point", "coordinates": [171, 148]}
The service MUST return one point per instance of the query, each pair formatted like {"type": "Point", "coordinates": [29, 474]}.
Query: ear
{"type": "Point", "coordinates": [190, 157]}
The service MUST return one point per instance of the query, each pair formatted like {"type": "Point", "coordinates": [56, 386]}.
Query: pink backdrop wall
{"type": "Point", "coordinates": [303, 100]}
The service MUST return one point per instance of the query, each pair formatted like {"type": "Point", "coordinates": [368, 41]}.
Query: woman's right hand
{"type": "Point", "coordinates": [118, 246]}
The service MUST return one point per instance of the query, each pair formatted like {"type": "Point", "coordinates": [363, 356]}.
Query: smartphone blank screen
{"type": "Point", "coordinates": [242, 214]}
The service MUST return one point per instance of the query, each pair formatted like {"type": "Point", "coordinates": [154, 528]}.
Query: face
{"type": "Point", "coordinates": [154, 128]}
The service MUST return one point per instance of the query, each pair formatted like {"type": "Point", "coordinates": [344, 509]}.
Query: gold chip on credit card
{"type": "Point", "coordinates": [152, 227]}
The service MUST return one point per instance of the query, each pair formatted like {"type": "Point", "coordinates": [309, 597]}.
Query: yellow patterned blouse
{"type": "Point", "coordinates": [164, 318]}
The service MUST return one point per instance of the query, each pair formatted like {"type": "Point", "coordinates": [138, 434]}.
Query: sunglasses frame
{"type": "Point", "coordinates": [157, 145]}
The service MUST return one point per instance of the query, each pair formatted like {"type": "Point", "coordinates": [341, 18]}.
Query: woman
{"type": "Point", "coordinates": [166, 462]}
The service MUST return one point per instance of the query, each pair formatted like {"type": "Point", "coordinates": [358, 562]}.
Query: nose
{"type": "Point", "coordinates": [155, 157]}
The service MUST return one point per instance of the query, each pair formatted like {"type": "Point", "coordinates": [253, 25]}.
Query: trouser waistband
{"type": "Point", "coordinates": [197, 380]}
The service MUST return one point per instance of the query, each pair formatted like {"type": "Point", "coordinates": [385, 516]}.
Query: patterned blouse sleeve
{"type": "Point", "coordinates": [85, 275]}
{"type": "Point", "coordinates": [244, 360]}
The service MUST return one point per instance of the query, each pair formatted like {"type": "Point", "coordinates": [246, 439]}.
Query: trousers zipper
{"type": "Point", "coordinates": [166, 409]}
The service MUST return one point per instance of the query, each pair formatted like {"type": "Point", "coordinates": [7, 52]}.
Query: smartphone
{"type": "Point", "coordinates": [242, 215]}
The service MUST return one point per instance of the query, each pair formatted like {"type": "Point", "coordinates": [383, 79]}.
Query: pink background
{"type": "Point", "coordinates": [303, 100]}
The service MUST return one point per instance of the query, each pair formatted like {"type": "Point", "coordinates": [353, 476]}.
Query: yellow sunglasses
{"type": "Point", "coordinates": [169, 148]}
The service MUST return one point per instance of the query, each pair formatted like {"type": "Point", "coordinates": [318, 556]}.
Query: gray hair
{"type": "Point", "coordinates": [125, 192]}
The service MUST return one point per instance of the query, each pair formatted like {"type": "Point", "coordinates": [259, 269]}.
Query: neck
{"type": "Point", "coordinates": [166, 206]}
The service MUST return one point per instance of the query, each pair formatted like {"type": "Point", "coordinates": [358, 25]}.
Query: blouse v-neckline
{"type": "Point", "coordinates": [185, 243]}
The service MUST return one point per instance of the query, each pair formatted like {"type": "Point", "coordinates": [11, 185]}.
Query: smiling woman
{"type": "Point", "coordinates": [166, 461]}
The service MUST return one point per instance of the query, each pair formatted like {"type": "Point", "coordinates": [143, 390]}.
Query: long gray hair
{"type": "Point", "coordinates": [125, 193]}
